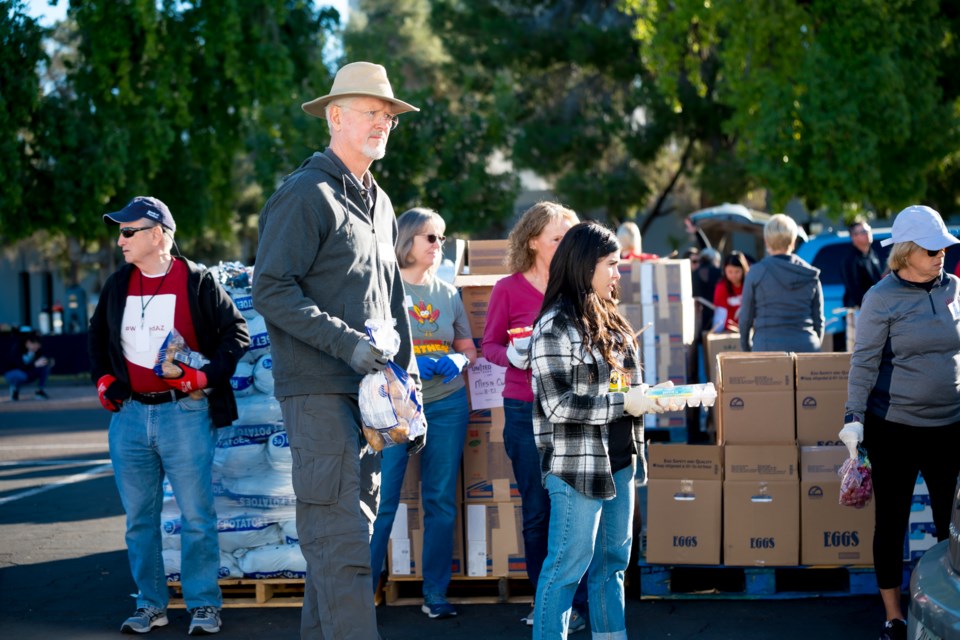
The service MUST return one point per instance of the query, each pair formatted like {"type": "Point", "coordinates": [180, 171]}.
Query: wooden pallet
{"type": "Point", "coordinates": [244, 592]}
{"type": "Point", "coordinates": [758, 583]}
{"type": "Point", "coordinates": [462, 590]}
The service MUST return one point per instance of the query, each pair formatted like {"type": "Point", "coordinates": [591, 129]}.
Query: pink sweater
{"type": "Point", "coordinates": [514, 303]}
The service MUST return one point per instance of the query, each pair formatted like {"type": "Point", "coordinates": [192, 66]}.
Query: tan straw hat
{"type": "Point", "coordinates": [358, 79]}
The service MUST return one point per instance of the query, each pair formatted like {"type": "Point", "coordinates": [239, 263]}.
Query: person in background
{"type": "Point", "coordinates": [444, 348]}
{"type": "Point", "coordinates": [727, 294]}
{"type": "Point", "coordinates": [903, 393]}
{"type": "Point", "coordinates": [165, 425]}
{"type": "Point", "coordinates": [514, 304]}
{"type": "Point", "coordinates": [782, 300]}
{"type": "Point", "coordinates": [628, 234]}
{"type": "Point", "coordinates": [861, 268]}
{"type": "Point", "coordinates": [325, 265]}
{"type": "Point", "coordinates": [27, 364]}
{"type": "Point", "coordinates": [587, 399]}
{"type": "Point", "coordinates": [706, 273]}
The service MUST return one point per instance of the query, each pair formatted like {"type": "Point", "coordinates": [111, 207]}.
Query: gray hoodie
{"type": "Point", "coordinates": [783, 304]}
{"type": "Point", "coordinates": [325, 264]}
{"type": "Point", "coordinates": [905, 366]}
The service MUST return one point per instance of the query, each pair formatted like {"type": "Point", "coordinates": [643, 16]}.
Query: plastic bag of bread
{"type": "Point", "coordinates": [391, 411]}
{"type": "Point", "coordinates": [174, 349]}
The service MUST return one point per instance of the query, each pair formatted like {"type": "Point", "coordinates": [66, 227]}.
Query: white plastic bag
{"type": "Point", "coordinates": [391, 412]}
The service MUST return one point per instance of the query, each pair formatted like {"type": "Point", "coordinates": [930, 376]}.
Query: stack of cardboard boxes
{"type": "Point", "coordinates": [779, 414]}
{"type": "Point", "coordinates": [657, 299]}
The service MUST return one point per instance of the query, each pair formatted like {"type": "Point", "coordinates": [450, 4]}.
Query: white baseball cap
{"type": "Point", "coordinates": [921, 225]}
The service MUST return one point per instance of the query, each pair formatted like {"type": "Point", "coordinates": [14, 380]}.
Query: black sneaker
{"type": "Point", "coordinates": [894, 630]}
{"type": "Point", "coordinates": [41, 394]}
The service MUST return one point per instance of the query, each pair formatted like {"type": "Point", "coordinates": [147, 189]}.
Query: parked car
{"type": "Point", "coordinates": [935, 587]}
{"type": "Point", "coordinates": [733, 227]}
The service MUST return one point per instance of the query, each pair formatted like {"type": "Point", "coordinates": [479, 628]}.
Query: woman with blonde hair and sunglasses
{"type": "Point", "coordinates": [443, 347]}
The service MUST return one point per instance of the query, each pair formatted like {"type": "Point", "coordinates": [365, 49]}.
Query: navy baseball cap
{"type": "Point", "coordinates": [143, 207]}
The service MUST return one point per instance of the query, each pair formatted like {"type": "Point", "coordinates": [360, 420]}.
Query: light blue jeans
{"type": "Point", "coordinates": [439, 469]}
{"type": "Point", "coordinates": [176, 438]}
{"type": "Point", "coordinates": [586, 535]}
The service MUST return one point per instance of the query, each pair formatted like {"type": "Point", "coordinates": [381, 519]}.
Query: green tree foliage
{"type": "Point", "coordinates": [439, 157]}
{"type": "Point", "coordinates": [831, 102]}
{"type": "Point", "coordinates": [566, 77]}
{"type": "Point", "coordinates": [21, 54]}
{"type": "Point", "coordinates": [191, 102]}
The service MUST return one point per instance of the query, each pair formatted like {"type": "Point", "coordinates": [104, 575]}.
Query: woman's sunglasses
{"type": "Point", "coordinates": [932, 253]}
{"type": "Point", "coordinates": [432, 237]}
{"type": "Point", "coordinates": [129, 232]}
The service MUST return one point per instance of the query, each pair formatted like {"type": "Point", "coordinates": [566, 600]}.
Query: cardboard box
{"type": "Point", "coordinates": [756, 398]}
{"type": "Point", "coordinates": [494, 540]}
{"type": "Point", "coordinates": [684, 498]}
{"type": "Point", "coordinates": [630, 283]}
{"type": "Point", "coordinates": [756, 371]}
{"type": "Point", "coordinates": [405, 549]}
{"type": "Point", "coordinates": [673, 322]}
{"type": "Point", "coordinates": [666, 280]}
{"type": "Point", "coordinates": [486, 257]}
{"type": "Point", "coordinates": [715, 344]}
{"type": "Point", "coordinates": [475, 302]}
{"type": "Point", "coordinates": [487, 471]}
{"type": "Point", "coordinates": [761, 523]}
{"type": "Point", "coordinates": [821, 396]}
{"type": "Point", "coordinates": [664, 361]}
{"type": "Point", "coordinates": [748, 462]}
{"type": "Point", "coordinates": [761, 416]}
{"type": "Point", "coordinates": [761, 505]}
{"type": "Point", "coordinates": [830, 533]}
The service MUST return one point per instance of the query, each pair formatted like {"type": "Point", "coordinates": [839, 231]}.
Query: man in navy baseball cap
{"type": "Point", "coordinates": [143, 207]}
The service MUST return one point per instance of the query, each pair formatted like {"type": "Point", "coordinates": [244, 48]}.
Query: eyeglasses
{"type": "Point", "coordinates": [432, 237]}
{"type": "Point", "coordinates": [933, 254]}
{"type": "Point", "coordinates": [379, 117]}
{"type": "Point", "coordinates": [129, 232]}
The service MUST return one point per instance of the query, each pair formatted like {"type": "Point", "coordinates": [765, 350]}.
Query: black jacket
{"type": "Point", "coordinates": [221, 333]}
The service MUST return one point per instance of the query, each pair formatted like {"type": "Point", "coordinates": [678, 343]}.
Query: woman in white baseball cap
{"type": "Point", "coordinates": [903, 394]}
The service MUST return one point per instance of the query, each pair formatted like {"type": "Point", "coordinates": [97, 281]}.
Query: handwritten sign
{"type": "Point", "coordinates": [485, 382]}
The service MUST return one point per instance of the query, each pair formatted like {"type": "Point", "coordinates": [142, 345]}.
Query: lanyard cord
{"type": "Point", "coordinates": [144, 305]}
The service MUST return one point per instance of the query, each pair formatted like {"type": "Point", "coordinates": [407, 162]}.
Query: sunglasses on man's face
{"type": "Point", "coordinates": [129, 232]}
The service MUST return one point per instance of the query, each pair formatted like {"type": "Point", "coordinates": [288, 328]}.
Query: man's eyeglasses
{"type": "Point", "coordinates": [379, 117]}
{"type": "Point", "coordinates": [129, 232]}
{"type": "Point", "coordinates": [432, 237]}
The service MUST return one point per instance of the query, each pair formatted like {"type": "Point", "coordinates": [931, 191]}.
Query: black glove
{"type": "Point", "coordinates": [416, 445]}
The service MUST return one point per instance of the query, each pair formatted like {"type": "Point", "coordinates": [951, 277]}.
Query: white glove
{"type": "Point", "coordinates": [636, 402]}
{"type": "Point", "coordinates": [518, 359]}
{"type": "Point", "coordinates": [852, 435]}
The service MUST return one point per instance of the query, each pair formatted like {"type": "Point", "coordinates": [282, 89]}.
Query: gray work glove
{"type": "Point", "coordinates": [367, 358]}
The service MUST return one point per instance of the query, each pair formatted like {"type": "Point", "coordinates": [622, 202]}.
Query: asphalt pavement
{"type": "Point", "coordinates": [64, 572]}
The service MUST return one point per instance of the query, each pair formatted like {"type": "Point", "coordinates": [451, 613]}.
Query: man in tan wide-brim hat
{"type": "Point", "coordinates": [325, 265]}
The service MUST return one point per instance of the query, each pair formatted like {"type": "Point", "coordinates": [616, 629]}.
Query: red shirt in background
{"type": "Point", "coordinates": [723, 300]}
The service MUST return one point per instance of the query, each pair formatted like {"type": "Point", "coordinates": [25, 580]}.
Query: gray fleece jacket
{"type": "Point", "coordinates": [905, 366]}
{"type": "Point", "coordinates": [783, 304]}
{"type": "Point", "coordinates": [325, 264]}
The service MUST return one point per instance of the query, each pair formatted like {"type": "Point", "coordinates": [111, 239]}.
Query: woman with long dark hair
{"type": "Point", "coordinates": [729, 293]}
{"type": "Point", "coordinates": [584, 360]}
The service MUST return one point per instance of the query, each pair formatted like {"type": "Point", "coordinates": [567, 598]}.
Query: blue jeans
{"type": "Point", "coordinates": [534, 500]}
{"type": "Point", "coordinates": [18, 377]}
{"type": "Point", "coordinates": [587, 536]}
{"type": "Point", "coordinates": [177, 438]}
{"type": "Point", "coordinates": [439, 468]}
